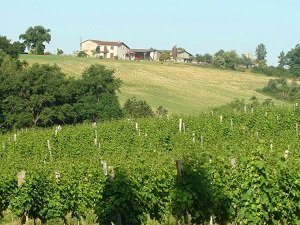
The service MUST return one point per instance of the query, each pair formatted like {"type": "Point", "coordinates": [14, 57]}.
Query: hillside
{"type": "Point", "coordinates": [180, 88]}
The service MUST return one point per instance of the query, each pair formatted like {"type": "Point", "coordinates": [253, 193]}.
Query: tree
{"type": "Point", "coordinates": [293, 60]}
{"type": "Point", "coordinates": [219, 61]}
{"type": "Point", "coordinates": [34, 38]}
{"type": "Point", "coordinates": [164, 56]}
{"type": "Point", "coordinates": [161, 111]}
{"type": "Point", "coordinates": [232, 60]}
{"type": "Point", "coordinates": [207, 58]}
{"type": "Point", "coordinates": [59, 52]}
{"type": "Point", "coordinates": [137, 108]}
{"type": "Point", "coordinates": [246, 60]}
{"type": "Point", "coordinates": [282, 60]}
{"type": "Point", "coordinates": [198, 58]}
{"type": "Point", "coordinates": [13, 50]}
{"type": "Point", "coordinates": [261, 54]}
{"type": "Point", "coordinates": [96, 94]}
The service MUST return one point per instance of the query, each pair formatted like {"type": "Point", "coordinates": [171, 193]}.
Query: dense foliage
{"type": "Point", "coordinates": [41, 95]}
{"type": "Point", "coordinates": [138, 108]}
{"type": "Point", "coordinates": [34, 39]}
{"type": "Point", "coordinates": [281, 89]}
{"type": "Point", "coordinates": [237, 165]}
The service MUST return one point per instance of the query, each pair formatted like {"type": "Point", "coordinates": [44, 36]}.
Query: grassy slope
{"type": "Point", "coordinates": [180, 88]}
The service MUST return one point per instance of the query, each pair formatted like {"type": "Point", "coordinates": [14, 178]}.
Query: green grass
{"type": "Point", "coordinates": [180, 88]}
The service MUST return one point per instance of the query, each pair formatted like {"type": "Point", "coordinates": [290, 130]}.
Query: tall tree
{"type": "Point", "coordinates": [261, 54]}
{"type": "Point", "coordinates": [293, 60]}
{"type": "Point", "coordinates": [246, 60]}
{"type": "Point", "coordinates": [282, 60]}
{"type": "Point", "coordinates": [34, 38]}
{"type": "Point", "coordinates": [207, 58]}
{"type": "Point", "coordinates": [96, 97]}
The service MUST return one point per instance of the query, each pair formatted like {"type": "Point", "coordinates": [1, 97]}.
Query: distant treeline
{"type": "Point", "coordinates": [288, 64]}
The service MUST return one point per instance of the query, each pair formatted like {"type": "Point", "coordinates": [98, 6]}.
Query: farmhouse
{"type": "Point", "coordinates": [184, 56]}
{"type": "Point", "coordinates": [105, 49]}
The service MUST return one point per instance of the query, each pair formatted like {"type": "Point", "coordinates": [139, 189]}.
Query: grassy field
{"type": "Point", "coordinates": [180, 88]}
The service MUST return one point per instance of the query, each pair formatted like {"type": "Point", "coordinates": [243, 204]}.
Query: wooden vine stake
{"type": "Point", "coordinates": [95, 137]}
{"type": "Point", "coordinates": [286, 154]}
{"type": "Point", "coordinates": [187, 218]}
{"type": "Point", "coordinates": [221, 119]}
{"type": "Point", "coordinates": [15, 137]}
{"type": "Point", "coordinates": [49, 147]}
{"type": "Point", "coordinates": [231, 124]}
{"type": "Point", "coordinates": [104, 166]}
{"type": "Point", "coordinates": [233, 163]}
{"type": "Point", "coordinates": [201, 140]}
{"type": "Point", "coordinates": [245, 109]}
{"type": "Point", "coordinates": [183, 127]}
{"type": "Point", "coordinates": [193, 136]}
{"type": "Point", "coordinates": [21, 178]}
{"type": "Point", "coordinates": [180, 125]}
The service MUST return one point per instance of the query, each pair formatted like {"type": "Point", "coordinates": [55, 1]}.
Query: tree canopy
{"type": "Point", "coordinates": [261, 53]}
{"type": "Point", "coordinates": [293, 60]}
{"type": "Point", "coordinates": [41, 95]}
{"type": "Point", "coordinates": [34, 38]}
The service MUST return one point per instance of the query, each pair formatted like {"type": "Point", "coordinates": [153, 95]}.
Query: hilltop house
{"type": "Point", "coordinates": [184, 56]}
{"type": "Point", "coordinates": [105, 49]}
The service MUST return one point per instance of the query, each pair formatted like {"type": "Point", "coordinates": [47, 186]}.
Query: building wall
{"type": "Point", "coordinates": [88, 47]}
{"type": "Point", "coordinates": [122, 51]}
{"type": "Point", "coordinates": [183, 57]}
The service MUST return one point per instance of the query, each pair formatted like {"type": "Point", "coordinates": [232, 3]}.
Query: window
{"type": "Point", "coordinates": [112, 47]}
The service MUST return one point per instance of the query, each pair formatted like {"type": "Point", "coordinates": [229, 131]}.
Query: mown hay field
{"type": "Point", "coordinates": [178, 87]}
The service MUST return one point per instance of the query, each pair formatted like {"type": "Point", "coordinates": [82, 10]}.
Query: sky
{"type": "Point", "coordinates": [199, 26]}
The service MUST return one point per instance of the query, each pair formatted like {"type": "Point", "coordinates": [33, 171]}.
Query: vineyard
{"type": "Point", "coordinates": [232, 166]}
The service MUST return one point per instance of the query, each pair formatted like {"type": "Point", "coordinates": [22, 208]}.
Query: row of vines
{"type": "Point", "coordinates": [222, 167]}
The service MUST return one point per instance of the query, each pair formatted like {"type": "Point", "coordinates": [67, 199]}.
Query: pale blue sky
{"type": "Point", "coordinates": [197, 25]}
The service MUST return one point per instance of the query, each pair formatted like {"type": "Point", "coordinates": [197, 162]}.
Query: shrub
{"type": "Point", "coordinates": [82, 54]}
{"type": "Point", "coordinates": [137, 109]}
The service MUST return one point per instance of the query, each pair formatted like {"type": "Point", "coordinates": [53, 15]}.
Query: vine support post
{"type": "Point", "coordinates": [187, 217]}
{"type": "Point", "coordinates": [231, 124]}
{"type": "Point", "coordinates": [49, 147]}
{"type": "Point", "coordinates": [180, 125]}
{"type": "Point", "coordinates": [193, 136]}
{"type": "Point", "coordinates": [95, 138]}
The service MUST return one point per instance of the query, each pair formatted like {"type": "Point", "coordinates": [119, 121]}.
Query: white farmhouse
{"type": "Point", "coordinates": [105, 49]}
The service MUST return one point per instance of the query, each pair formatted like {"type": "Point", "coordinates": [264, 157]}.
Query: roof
{"type": "Point", "coordinates": [114, 43]}
{"type": "Point", "coordinates": [183, 52]}
{"type": "Point", "coordinates": [142, 50]}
